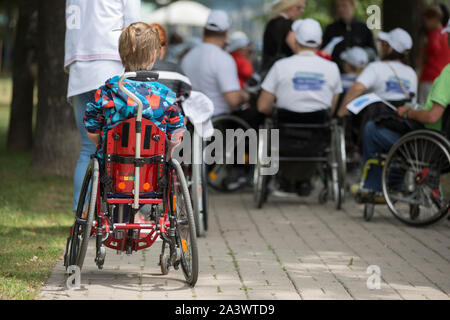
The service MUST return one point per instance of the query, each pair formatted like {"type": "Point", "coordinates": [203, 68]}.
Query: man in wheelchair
{"type": "Point", "coordinates": [138, 47]}
{"type": "Point", "coordinates": [303, 88]}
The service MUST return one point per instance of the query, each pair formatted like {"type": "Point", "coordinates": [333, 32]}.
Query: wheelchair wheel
{"type": "Point", "coordinates": [199, 189]}
{"type": "Point", "coordinates": [416, 182]}
{"type": "Point", "coordinates": [337, 166]}
{"type": "Point", "coordinates": [186, 236]}
{"type": "Point", "coordinates": [197, 199]}
{"type": "Point", "coordinates": [81, 229]}
{"type": "Point", "coordinates": [369, 211]}
{"type": "Point", "coordinates": [229, 178]}
{"type": "Point", "coordinates": [205, 197]}
{"type": "Point", "coordinates": [341, 156]}
{"type": "Point", "coordinates": [260, 181]}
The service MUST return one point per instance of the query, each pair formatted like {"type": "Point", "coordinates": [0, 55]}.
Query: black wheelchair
{"type": "Point", "coordinates": [233, 174]}
{"type": "Point", "coordinates": [416, 177]}
{"type": "Point", "coordinates": [316, 141]}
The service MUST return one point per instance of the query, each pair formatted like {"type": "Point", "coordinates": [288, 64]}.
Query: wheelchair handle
{"type": "Point", "coordinates": [138, 74]}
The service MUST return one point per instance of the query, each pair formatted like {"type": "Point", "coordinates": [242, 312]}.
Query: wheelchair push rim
{"type": "Point", "coordinates": [414, 187]}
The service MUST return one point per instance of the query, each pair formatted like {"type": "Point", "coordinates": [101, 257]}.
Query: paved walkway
{"type": "Point", "coordinates": [292, 249]}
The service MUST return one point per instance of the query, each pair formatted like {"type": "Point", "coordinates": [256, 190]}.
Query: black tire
{"type": "Point", "coordinates": [197, 199]}
{"type": "Point", "coordinates": [82, 227]}
{"type": "Point", "coordinates": [164, 264]}
{"type": "Point", "coordinates": [260, 192]}
{"type": "Point", "coordinates": [260, 188]}
{"type": "Point", "coordinates": [335, 181]}
{"type": "Point", "coordinates": [418, 202]}
{"type": "Point", "coordinates": [341, 155]}
{"type": "Point", "coordinates": [205, 197]}
{"type": "Point", "coordinates": [323, 196]}
{"type": "Point", "coordinates": [369, 211]}
{"type": "Point", "coordinates": [185, 228]}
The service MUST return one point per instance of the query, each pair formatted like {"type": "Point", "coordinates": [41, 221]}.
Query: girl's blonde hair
{"type": "Point", "coordinates": [139, 44]}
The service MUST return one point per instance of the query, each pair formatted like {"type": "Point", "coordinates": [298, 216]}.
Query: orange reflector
{"type": "Point", "coordinates": [174, 201]}
{"type": "Point", "coordinates": [183, 245]}
{"type": "Point", "coordinates": [213, 176]}
{"type": "Point", "coordinates": [146, 186]}
{"type": "Point", "coordinates": [121, 186]}
{"type": "Point", "coordinates": [246, 158]}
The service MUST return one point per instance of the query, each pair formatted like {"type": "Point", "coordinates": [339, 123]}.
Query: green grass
{"type": "Point", "coordinates": [35, 217]}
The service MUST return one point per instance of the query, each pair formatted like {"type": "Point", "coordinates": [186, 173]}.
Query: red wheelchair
{"type": "Point", "coordinates": [134, 173]}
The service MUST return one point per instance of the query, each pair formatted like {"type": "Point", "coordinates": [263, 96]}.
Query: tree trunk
{"type": "Point", "coordinates": [56, 142]}
{"type": "Point", "coordinates": [20, 132]}
{"type": "Point", "coordinates": [406, 14]}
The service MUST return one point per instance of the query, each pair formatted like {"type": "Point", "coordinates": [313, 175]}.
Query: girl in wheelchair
{"type": "Point", "coordinates": [126, 174]}
{"type": "Point", "coordinates": [139, 47]}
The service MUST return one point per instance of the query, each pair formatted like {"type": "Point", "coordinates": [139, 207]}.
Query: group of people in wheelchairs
{"type": "Point", "coordinates": [136, 193]}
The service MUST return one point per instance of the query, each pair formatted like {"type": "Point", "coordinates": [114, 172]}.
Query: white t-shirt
{"type": "Point", "coordinates": [85, 76]}
{"type": "Point", "coordinates": [213, 72]}
{"type": "Point", "coordinates": [93, 28]}
{"type": "Point", "coordinates": [304, 83]}
{"type": "Point", "coordinates": [379, 78]}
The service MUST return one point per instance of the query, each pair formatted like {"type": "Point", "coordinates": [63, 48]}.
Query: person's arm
{"type": "Point", "coordinates": [423, 116]}
{"type": "Point", "coordinates": [228, 79]}
{"type": "Point", "coordinates": [94, 137]}
{"type": "Point", "coordinates": [236, 99]}
{"type": "Point", "coordinates": [354, 92]}
{"type": "Point", "coordinates": [266, 102]}
{"type": "Point", "coordinates": [131, 12]}
{"type": "Point", "coordinates": [291, 41]}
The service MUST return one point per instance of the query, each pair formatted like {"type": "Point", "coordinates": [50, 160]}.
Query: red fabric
{"type": "Point", "coordinates": [324, 55]}
{"type": "Point", "coordinates": [437, 54]}
{"type": "Point", "coordinates": [244, 67]}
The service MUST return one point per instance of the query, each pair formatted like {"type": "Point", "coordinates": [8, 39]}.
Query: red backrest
{"type": "Point", "coordinates": [121, 142]}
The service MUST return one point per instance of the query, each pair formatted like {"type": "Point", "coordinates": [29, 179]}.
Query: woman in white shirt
{"type": "Point", "coordinates": [92, 57]}
{"type": "Point", "coordinates": [392, 79]}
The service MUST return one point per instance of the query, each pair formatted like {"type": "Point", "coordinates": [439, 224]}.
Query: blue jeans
{"type": "Point", "coordinates": [376, 140]}
{"type": "Point", "coordinates": [87, 146]}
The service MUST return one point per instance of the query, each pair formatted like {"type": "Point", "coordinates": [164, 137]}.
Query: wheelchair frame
{"type": "Point", "coordinates": [334, 163]}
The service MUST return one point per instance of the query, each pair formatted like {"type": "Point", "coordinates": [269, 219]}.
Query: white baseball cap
{"type": "Point", "coordinates": [218, 21]}
{"type": "Point", "coordinates": [398, 39]}
{"type": "Point", "coordinates": [447, 28]}
{"type": "Point", "coordinates": [355, 56]}
{"type": "Point", "coordinates": [238, 40]}
{"type": "Point", "coordinates": [308, 32]}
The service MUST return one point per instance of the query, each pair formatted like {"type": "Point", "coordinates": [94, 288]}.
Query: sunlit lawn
{"type": "Point", "coordinates": [35, 216]}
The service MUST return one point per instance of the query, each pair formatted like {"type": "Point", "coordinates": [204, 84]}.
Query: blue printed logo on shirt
{"type": "Point", "coordinates": [392, 85]}
{"type": "Point", "coordinates": [308, 81]}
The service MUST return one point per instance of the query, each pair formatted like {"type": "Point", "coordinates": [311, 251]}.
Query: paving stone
{"type": "Point", "coordinates": [289, 250]}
